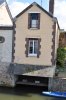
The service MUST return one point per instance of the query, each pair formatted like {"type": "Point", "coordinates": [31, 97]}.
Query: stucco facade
{"type": "Point", "coordinates": [6, 32]}
{"type": "Point", "coordinates": [6, 47]}
{"type": "Point", "coordinates": [5, 19]}
{"type": "Point", "coordinates": [45, 33]}
{"type": "Point", "coordinates": [57, 33]}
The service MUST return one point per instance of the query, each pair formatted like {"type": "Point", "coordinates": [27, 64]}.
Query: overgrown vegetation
{"type": "Point", "coordinates": [61, 55]}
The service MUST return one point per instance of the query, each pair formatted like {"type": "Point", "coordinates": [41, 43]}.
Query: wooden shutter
{"type": "Point", "coordinates": [26, 46]}
{"type": "Point", "coordinates": [38, 20]}
{"type": "Point", "coordinates": [29, 20]}
{"type": "Point", "coordinates": [39, 46]}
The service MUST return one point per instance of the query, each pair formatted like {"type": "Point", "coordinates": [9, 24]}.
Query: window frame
{"type": "Point", "coordinates": [27, 44]}
{"type": "Point", "coordinates": [30, 21]}
{"type": "Point", "coordinates": [35, 25]}
{"type": "Point", "coordinates": [33, 41]}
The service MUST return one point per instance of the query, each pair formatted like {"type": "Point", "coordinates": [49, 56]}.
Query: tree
{"type": "Point", "coordinates": [61, 54]}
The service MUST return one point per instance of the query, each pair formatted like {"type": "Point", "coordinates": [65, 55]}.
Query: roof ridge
{"type": "Point", "coordinates": [34, 3]}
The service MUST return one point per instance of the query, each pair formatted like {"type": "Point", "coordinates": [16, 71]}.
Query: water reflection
{"type": "Point", "coordinates": [24, 93]}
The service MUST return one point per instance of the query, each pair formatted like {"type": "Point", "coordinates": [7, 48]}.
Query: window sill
{"type": "Point", "coordinates": [33, 28]}
{"type": "Point", "coordinates": [32, 55]}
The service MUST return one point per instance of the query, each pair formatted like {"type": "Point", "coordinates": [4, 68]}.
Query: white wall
{"type": "Point", "coordinates": [4, 16]}
{"type": "Point", "coordinates": [6, 47]}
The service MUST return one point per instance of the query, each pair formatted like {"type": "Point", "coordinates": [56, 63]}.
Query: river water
{"type": "Point", "coordinates": [24, 93]}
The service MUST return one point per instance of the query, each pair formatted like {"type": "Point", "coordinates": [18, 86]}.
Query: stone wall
{"type": "Point", "coordinates": [7, 78]}
{"type": "Point", "coordinates": [45, 72]}
{"type": "Point", "coordinates": [9, 72]}
{"type": "Point", "coordinates": [57, 84]}
{"type": "Point", "coordinates": [34, 70]}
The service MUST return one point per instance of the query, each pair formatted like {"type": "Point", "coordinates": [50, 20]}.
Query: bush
{"type": "Point", "coordinates": [61, 54]}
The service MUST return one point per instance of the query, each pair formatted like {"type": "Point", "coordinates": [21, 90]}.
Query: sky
{"type": "Point", "coordinates": [17, 6]}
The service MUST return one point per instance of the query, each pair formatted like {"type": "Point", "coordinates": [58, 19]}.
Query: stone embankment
{"type": "Point", "coordinates": [9, 74]}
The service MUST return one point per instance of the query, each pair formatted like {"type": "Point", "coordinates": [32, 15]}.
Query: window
{"type": "Point", "coordinates": [2, 39]}
{"type": "Point", "coordinates": [34, 20]}
{"type": "Point", "coordinates": [32, 47]}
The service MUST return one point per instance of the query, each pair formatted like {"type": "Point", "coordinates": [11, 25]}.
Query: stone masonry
{"type": "Point", "coordinates": [57, 84]}
{"type": "Point", "coordinates": [9, 72]}
{"type": "Point", "coordinates": [6, 78]}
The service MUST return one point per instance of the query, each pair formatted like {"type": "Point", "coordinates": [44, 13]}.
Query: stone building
{"type": "Point", "coordinates": [30, 41]}
{"type": "Point", "coordinates": [36, 36]}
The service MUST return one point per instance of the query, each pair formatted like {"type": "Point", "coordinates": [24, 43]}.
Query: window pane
{"type": "Point", "coordinates": [34, 16]}
{"type": "Point", "coordinates": [34, 20]}
{"type": "Point", "coordinates": [30, 46]}
{"type": "Point", "coordinates": [34, 24]}
{"type": "Point", "coordinates": [31, 50]}
{"type": "Point", "coordinates": [35, 46]}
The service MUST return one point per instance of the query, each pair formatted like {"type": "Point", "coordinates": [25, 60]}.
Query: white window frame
{"type": "Point", "coordinates": [33, 12]}
{"type": "Point", "coordinates": [31, 54]}
{"type": "Point", "coordinates": [34, 23]}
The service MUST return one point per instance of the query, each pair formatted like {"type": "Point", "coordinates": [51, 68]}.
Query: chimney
{"type": "Point", "coordinates": [51, 7]}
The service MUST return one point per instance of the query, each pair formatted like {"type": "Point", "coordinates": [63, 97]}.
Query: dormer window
{"type": "Point", "coordinates": [34, 20]}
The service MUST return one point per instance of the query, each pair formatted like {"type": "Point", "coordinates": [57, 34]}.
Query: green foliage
{"type": "Point", "coordinates": [61, 54]}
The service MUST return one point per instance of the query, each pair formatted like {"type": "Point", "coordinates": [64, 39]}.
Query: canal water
{"type": "Point", "coordinates": [24, 93]}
